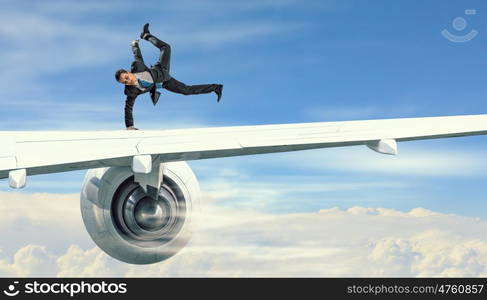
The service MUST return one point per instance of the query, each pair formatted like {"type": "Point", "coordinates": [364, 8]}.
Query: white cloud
{"type": "Point", "coordinates": [39, 207]}
{"type": "Point", "coordinates": [55, 40]}
{"type": "Point", "coordinates": [429, 253]}
{"type": "Point", "coordinates": [413, 159]}
{"type": "Point", "coordinates": [281, 193]}
{"type": "Point", "coordinates": [362, 111]}
{"type": "Point", "coordinates": [341, 113]}
{"type": "Point", "coordinates": [359, 241]}
{"type": "Point", "coordinates": [211, 37]}
{"type": "Point", "coordinates": [51, 220]}
{"type": "Point", "coordinates": [44, 43]}
{"type": "Point", "coordinates": [80, 263]}
{"type": "Point", "coordinates": [209, 6]}
{"type": "Point", "coordinates": [41, 45]}
{"type": "Point", "coordinates": [31, 260]}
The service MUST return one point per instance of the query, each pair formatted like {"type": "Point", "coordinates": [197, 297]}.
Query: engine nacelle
{"type": "Point", "coordinates": [133, 227]}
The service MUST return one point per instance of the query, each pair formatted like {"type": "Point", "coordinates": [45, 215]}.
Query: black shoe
{"type": "Point", "coordinates": [145, 32]}
{"type": "Point", "coordinates": [218, 91]}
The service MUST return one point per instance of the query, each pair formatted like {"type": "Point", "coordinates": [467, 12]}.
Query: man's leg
{"type": "Point", "coordinates": [160, 71]}
{"type": "Point", "coordinates": [163, 65]}
{"type": "Point", "coordinates": [165, 55]}
{"type": "Point", "coordinates": [178, 87]}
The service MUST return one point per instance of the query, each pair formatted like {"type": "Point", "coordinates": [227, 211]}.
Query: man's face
{"type": "Point", "coordinates": [127, 79]}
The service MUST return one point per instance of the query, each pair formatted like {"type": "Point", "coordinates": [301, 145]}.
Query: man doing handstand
{"type": "Point", "coordinates": [142, 79]}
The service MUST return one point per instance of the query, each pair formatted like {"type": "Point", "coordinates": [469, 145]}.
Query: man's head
{"type": "Point", "coordinates": [125, 77]}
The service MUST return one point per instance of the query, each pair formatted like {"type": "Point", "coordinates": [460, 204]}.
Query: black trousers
{"type": "Point", "coordinates": [161, 73]}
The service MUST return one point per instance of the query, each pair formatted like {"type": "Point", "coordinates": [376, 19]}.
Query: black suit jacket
{"type": "Point", "coordinates": [132, 91]}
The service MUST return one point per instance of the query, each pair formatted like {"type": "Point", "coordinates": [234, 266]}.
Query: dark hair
{"type": "Point", "coordinates": [118, 73]}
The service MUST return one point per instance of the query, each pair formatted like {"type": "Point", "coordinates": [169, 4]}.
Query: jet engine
{"type": "Point", "coordinates": [135, 226]}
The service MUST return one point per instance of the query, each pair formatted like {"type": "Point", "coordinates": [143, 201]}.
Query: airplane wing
{"type": "Point", "coordinates": [40, 152]}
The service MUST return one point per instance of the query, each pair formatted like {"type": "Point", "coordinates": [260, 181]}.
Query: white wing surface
{"type": "Point", "coordinates": [39, 152]}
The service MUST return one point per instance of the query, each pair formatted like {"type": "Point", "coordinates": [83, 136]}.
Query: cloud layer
{"type": "Point", "coordinates": [359, 241]}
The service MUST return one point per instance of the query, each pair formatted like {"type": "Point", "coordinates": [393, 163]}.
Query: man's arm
{"type": "Point", "coordinates": [129, 104]}
{"type": "Point", "coordinates": [136, 51]}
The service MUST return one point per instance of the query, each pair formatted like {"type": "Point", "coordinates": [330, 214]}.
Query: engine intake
{"type": "Point", "coordinates": [131, 226]}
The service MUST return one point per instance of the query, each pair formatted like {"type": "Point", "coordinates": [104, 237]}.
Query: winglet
{"type": "Point", "coordinates": [385, 146]}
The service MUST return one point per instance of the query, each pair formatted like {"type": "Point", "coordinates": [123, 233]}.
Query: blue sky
{"type": "Point", "coordinates": [280, 62]}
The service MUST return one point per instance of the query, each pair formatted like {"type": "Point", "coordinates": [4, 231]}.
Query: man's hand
{"type": "Point", "coordinates": [134, 43]}
{"type": "Point", "coordinates": [132, 128]}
